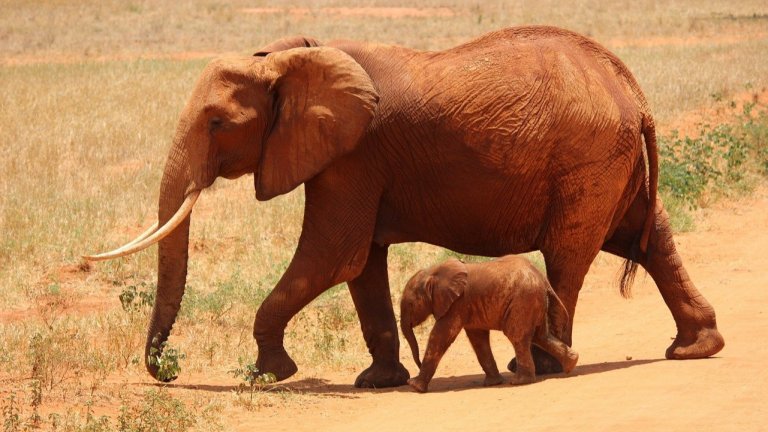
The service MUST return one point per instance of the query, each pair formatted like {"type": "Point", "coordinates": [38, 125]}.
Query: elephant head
{"type": "Point", "coordinates": [284, 117]}
{"type": "Point", "coordinates": [430, 291]}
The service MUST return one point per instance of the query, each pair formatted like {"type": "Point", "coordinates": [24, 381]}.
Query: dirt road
{"type": "Point", "coordinates": [622, 381]}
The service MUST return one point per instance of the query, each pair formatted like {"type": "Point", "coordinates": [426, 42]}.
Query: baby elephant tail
{"type": "Point", "coordinates": [553, 296]}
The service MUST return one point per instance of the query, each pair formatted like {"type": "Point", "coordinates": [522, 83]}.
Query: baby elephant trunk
{"type": "Point", "coordinates": [407, 329]}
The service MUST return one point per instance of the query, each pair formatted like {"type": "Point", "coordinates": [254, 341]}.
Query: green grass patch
{"type": "Point", "coordinates": [721, 160]}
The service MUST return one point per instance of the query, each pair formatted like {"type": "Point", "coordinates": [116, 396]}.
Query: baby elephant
{"type": "Point", "coordinates": [506, 294]}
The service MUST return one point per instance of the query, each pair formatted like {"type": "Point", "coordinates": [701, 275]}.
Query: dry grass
{"type": "Point", "coordinates": [84, 132]}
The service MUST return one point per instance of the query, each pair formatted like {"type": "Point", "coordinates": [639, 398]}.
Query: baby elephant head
{"type": "Point", "coordinates": [430, 291]}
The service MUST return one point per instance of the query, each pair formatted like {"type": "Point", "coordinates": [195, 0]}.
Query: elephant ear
{"type": "Point", "coordinates": [288, 43]}
{"type": "Point", "coordinates": [448, 284]}
{"type": "Point", "coordinates": [323, 103]}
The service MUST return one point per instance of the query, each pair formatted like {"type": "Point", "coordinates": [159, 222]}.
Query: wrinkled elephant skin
{"type": "Point", "coordinates": [527, 138]}
{"type": "Point", "coordinates": [506, 294]}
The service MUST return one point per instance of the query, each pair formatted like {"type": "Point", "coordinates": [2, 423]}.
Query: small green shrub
{"type": "Point", "coordinates": [158, 411]}
{"type": "Point", "coordinates": [720, 160]}
{"type": "Point", "coordinates": [137, 297]}
{"type": "Point", "coordinates": [249, 373]}
{"type": "Point", "coordinates": [253, 382]}
{"type": "Point", "coordinates": [166, 358]}
{"type": "Point", "coordinates": [11, 414]}
{"type": "Point", "coordinates": [755, 128]}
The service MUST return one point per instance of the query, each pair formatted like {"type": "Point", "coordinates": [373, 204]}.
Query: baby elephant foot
{"type": "Point", "coordinates": [518, 379]}
{"type": "Point", "coordinates": [418, 384]}
{"type": "Point", "coordinates": [569, 362]}
{"type": "Point", "coordinates": [492, 380]}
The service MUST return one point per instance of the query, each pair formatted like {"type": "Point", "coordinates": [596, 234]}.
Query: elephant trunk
{"type": "Point", "coordinates": [406, 327]}
{"type": "Point", "coordinates": [172, 258]}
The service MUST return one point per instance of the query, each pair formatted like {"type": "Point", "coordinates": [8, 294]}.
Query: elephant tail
{"type": "Point", "coordinates": [630, 265]}
{"type": "Point", "coordinates": [649, 135]}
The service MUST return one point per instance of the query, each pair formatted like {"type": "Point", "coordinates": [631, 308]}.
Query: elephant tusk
{"type": "Point", "coordinates": [144, 235]}
{"type": "Point", "coordinates": [149, 238]}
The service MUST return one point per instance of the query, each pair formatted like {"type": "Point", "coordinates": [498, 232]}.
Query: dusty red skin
{"type": "Point", "coordinates": [526, 138]}
{"type": "Point", "coordinates": [506, 294]}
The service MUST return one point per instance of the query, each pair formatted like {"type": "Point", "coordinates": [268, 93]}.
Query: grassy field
{"type": "Point", "coordinates": [90, 93]}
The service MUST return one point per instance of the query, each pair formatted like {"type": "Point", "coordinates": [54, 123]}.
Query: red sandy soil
{"type": "Point", "coordinates": [622, 381]}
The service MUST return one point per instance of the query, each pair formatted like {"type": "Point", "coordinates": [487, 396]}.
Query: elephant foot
{"type": "Point", "coordinates": [276, 362]}
{"type": "Point", "coordinates": [380, 375]}
{"type": "Point", "coordinates": [418, 384]}
{"type": "Point", "coordinates": [522, 379]}
{"type": "Point", "coordinates": [570, 360]}
{"type": "Point", "coordinates": [545, 363]}
{"type": "Point", "coordinates": [704, 343]}
{"type": "Point", "coordinates": [492, 380]}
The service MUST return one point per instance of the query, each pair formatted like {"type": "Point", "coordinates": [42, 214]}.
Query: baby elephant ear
{"type": "Point", "coordinates": [450, 281]}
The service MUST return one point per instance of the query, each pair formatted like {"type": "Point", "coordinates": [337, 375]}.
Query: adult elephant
{"type": "Point", "coordinates": [526, 138]}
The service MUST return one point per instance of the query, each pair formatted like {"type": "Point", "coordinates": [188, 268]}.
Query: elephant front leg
{"type": "Point", "coordinates": [292, 293]}
{"type": "Point", "coordinates": [440, 338]}
{"type": "Point", "coordinates": [370, 293]}
{"type": "Point", "coordinates": [333, 248]}
{"type": "Point", "coordinates": [310, 273]}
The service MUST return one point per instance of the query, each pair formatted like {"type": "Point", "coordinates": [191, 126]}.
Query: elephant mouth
{"type": "Point", "coordinates": [154, 234]}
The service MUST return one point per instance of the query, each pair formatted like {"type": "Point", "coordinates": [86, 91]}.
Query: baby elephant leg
{"type": "Point", "coordinates": [480, 340]}
{"type": "Point", "coordinates": [556, 348]}
{"type": "Point", "coordinates": [526, 369]}
{"type": "Point", "coordinates": [440, 338]}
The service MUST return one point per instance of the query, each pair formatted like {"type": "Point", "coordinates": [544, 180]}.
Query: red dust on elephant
{"type": "Point", "coordinates": [526, 138]}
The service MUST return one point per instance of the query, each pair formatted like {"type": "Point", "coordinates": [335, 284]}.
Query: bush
{"type": "Point", "coordinates": [719, 160]}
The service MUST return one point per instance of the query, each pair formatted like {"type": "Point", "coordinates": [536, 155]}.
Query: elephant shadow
{"type": "Point", "coordinates": [474, 381]}
{"type": "Point", "coordinates": [326, 388]}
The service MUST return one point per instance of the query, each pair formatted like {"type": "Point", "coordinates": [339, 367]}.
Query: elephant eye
{"type": "Point", "coordinates": [215, 123]}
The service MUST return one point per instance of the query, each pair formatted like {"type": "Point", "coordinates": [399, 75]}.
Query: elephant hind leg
{"type": "Point", "coordinates": [480, 340]}
{"type": "Point", "coordinates": [556, 348]}
{"type": "Point", "coordinates": [373, 302]}
{"type": "Point", "coordinates": [526, 368]}
{"type": "Point", "coordinates": [567, 265]}
{"type": "Point", "coordinates": [697, 334]}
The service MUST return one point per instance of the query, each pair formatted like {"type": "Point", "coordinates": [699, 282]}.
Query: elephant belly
{"type": "Point", "coordinates": [472, 220]}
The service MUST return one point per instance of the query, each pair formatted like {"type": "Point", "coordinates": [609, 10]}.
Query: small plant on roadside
{"type": "Point", "coordinates": [166, 358]}
{"type": "Point", "coordinates": [252, 380]}
{"type": "Point", "coordinates": [136, 297]}
{"type": "Point", "coordinates": [158, 411]}
{"type": "Point", "coordinates": [719, 160]}
{"type": "Point", "coordinates": [36, 399]}
{"type": "Point", "coordinates": [11, 414]}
